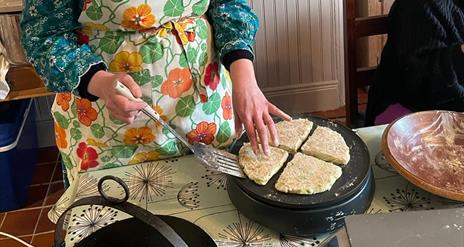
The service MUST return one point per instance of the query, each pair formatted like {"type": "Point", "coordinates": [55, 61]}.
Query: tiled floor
{"type": "Point", "coordinates": [31, 222]}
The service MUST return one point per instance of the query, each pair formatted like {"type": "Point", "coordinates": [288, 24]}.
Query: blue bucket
{"type": "Point", "coordinates": [18, 152]}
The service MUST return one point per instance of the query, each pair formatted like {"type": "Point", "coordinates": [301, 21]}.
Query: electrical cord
{"type": "Point", "coordinates": [15, 238]}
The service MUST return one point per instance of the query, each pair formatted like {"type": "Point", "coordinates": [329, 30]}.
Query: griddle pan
{"type": "Point", "coordinates": [353, 176]}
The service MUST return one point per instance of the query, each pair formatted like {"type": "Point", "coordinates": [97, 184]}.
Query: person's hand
{"type": "Point", "coordinates": [251, 108]}
{"type": "Point", "coordinates": [119, 107]}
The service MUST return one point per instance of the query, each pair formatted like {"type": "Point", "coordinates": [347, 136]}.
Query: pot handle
{"type": "Point", "coordinates": [124, 206]}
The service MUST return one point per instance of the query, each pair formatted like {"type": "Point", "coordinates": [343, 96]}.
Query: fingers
{"type": "Point", "coordinates": [277, 112]}
{"type": "Point", "coordinates": [124, 109]}
{"type": "Point", "coordinates": [130, 83]}
{"type": "Point", "coordinates": [272, 129]}
{"type": "Point", "coordinates": [262, 132]}
{"type": "Point", "coordinates": [124, 119]}
{"type": "Point", "coordinates": [250, 129]}
{"type": "Point", "coordinates": [126, 105]}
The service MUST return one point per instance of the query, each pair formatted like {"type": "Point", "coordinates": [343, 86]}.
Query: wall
{"type": "Point", "coordinates": [299, 53]}
{"type": "Point", "coordinates": [44, 122]}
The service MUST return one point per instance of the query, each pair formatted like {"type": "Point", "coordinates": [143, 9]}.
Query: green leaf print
{"type": "Point", "coordinates": [223, 133]}
{"type": "Point", "coordinates": [116, 1]}
{"type": "Point", "coordinates": [116, 121]}
{"type": "Point", "coordinates": [202, 29]}
{"type": "Point", "coordinates": [204, 59]}
{"type": "Point", "coordinates": [94, 12]}
{"type": "Point", "coordinates": [97, 130]}
{"type": "Point", "coordinates": [125, 151]}
{"type": "Point", "coordinates": [199, 8]}
{"type": "Point", "coordinates": [110, 165]}
{"type": "Point", "coordinates": [168, 149]}
{"type": "Point", "coordinates": [75, 124]}
{"type": "Point", "coordinates": [224, 82]}
{"type": "Point", "coordinates": [166, 131]}
{"type": "Point", "coordinates": [76, 134]}
{"type": "Point", "coordinates": [151, 52]}
{"type": "Point", "coordinates": [147, 100]}
{"type": "Point", "coordinates": [61, 120]}
{"type": "Point", "coordinates": [143, 77]}
{"type": "Point", "coordinates": [191, 55]}
{"type": "Point", "coordinates": [105, 158]}
{"type": "Point", "coordinates": [213, 104]}
{"type": "Point", "coordinates": [185, 106]}
{"type": "Point", "coordinates": [66, 161]}
{"type": "Point", "coordinates": [111, 42]}
{"type": "Point", "coordinates": [173, 8]}
{"type": "Point", "coordinates": [183, 61]}
{"type": "Point", "coordinates": [156, 81]}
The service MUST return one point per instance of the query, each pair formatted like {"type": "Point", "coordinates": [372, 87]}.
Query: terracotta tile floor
{"type": "Point", "coordinates": [31, 222]}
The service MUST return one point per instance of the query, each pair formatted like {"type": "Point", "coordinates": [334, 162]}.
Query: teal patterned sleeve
{"type": "Point", "coordinates": [50, 40]}
{"type": "Point", "coordinates": [235, 25]}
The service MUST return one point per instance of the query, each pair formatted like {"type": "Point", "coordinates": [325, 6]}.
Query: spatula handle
{"type": "Point", "coordinates": [125, 91]}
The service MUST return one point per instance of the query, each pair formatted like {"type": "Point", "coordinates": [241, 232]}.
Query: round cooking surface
{"type": "Point", "coordinates": [354, 173]}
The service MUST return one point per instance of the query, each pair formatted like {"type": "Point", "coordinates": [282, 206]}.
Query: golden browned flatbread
{"type": "Point", "coordinates": [307, 175]}
{"type": "Point", "coordinates": [261, 168]}
{"type": "Point", "coordinates": [327, 145]}
{"type": "Point", "coordinates": [293, 133]}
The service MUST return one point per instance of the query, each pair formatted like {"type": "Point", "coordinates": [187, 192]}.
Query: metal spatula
{"type": "Point", "coordinates": [210, 157]}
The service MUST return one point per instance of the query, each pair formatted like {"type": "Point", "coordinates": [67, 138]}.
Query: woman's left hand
{"type": "Point", "coordinates": [252, 109]}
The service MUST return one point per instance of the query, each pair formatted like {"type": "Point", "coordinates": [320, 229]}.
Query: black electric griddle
{"type": "Point", "coordinates": [351, 193]}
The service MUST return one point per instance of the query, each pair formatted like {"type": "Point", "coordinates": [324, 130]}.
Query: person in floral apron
{"type": "Point", "coordinates": [167, 53]}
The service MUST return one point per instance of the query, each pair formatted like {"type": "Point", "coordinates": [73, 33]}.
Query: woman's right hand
{"type": "Point", "coordinates": [119, 107]}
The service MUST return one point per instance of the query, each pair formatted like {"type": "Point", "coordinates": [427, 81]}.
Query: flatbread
{"type": "Point", "coordinates": [327, 145]}
{"type": "Point", "coordinates": [260, 168]}
{"type": "Point", "coordinates": [293, 133]}
{"type": "Point", "coordinates": [307, 175]}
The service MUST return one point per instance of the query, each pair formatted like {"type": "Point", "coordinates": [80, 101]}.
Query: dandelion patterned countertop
{"type": "Point", "coordinates": [429, 147]}
{"type": "Point", "coordinates": [183, 188]}
{"type": "Point", "coordinates": [8, 6]}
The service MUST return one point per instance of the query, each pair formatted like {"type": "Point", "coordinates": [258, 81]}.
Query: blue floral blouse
{"type": "Point", "coordinates": [50, 40]}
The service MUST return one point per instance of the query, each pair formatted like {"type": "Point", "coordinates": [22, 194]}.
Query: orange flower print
{"type": "Point", "coordinates": [85, 112]}
{"type": "Point", "coordinates": [144, 157]}
{"type": "Point", "coordinates": [93, 142]}
{"type": "Point", "coordinates": [60, 137]}
{"type": "Point", "coordinates": [191, 36]}
{"type": "Point", "coordinates": [142, 135]}
{"type": "Point", "coordinates": [138, 18]}
{"type": "Point", "coordinates": [226, 105]}
{"type": "Point", "coordinates": [62, 99]}
{"type": "Point", "coordinates": [204, 132]}
{"type": "Point", "coordinates": [88, 156]}
{"type": "Point", "coordinates": [86, 4]}
{"type": "Point", "coordinates": [184, 38]}
{"type": "Point", "coordinates": [160, 111]}
{"type": "Point", "coordinates": [126, 62]}
{"type": "Point", "coordinates": [212, 76]}
{"type": "Point", "coordinates": [178, 82]}
{"type": "Point", "coordinates": [203, 98]}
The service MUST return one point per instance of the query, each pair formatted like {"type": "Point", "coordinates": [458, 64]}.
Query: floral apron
{"type": "Point", "coordinates": [167, 47]}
